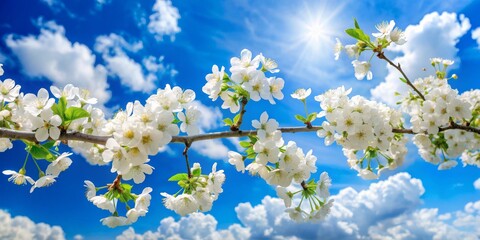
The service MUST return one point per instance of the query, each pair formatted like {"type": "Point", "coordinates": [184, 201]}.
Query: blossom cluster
{"type": "Point", "coordinates": [109, 202]}
{"type": "Point", "coordinates": [60, 164]}
{"type": "Point", "coordinates": [317, 194]}
{"type": "Point", "coordinates": [247, 80]}
{"type": "Point", "coordinates": [141, 130]}
{"type": "Point", "coordinates": [432, 116]}
{"type": "Point", "coordinates": [363, 128]}
{"type": "Point", "coordinates": [278, 164]}
{"type": "Point", "coordinates": [387, 34]}
{"type": "Point", "coordinates": [199, 191]}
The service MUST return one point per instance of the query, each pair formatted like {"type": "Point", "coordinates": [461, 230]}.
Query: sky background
{"type": "Point", "coordinates": [125, 50]}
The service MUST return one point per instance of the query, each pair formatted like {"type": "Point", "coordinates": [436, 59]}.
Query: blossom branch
{"type": "Point", "coordinates": [30, 136]}
{"type": "Point", "coordinates": [236, 125]}
{"type": "Point", "coordinates": [381, 55]}
{"type": "Point", "coordinates": [185, 153]}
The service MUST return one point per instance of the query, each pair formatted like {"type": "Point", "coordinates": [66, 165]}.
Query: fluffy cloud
{"type": "Point", "coordinates": [386, 210]}
{"type": "Point", "coordinates": [51, 55]}
{"type": "Point", "coordinates": [476, 35]}
{"type": "Point", "coordinates": [210, 118]}
{"type": "Point", "coordinates": [351, 216]}
{"type": "Point", "coordinates": [435, 36]}
{"type": "Point", "coordinates": [476, 184]}
{"type": "Point", "coordinates": [195, 226]}
{"type": "Point", "coordinates": [136, 76]}
{"type": "Point", "coordinates": [20, 227]}
{"type": "Point", "coordinates": [164, 20]}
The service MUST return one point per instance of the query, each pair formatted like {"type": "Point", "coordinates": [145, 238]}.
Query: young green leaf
{"type": "Point", "coordinates": [228, 122]}
{"type": "Point", "coordinates": [312, 117]}
{"type": "Point", "coordinates": [60, 107]}
{"type": "Point", "coordinates": [73, 113]}
{"type": "Point", "coordinates": [40, 152]}
{"type": "Point", "coordinates": [300, 118]}
{"type": "Point", "coordinates": [245, 144]}
{"type": "Point", "coordinates": [235, 119]}
{"type": "Point", "coordinates": [178, 177]}
{"type": "Point", "coordinates": [197, 172]}
{"type": "Point", "coordinates": [356, 23]}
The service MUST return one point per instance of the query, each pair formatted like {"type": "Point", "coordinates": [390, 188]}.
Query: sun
{"type": "Point", "coordinates": [313, 28]}
{"type": "Point", "coordinates": [315, 32]}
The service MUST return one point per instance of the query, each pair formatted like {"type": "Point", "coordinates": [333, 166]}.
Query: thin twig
{"type": "Point", "coordinates": [116, 184]}
{"type": "Point", "coordinates": [30, 136]}
{"type": "Point", "coordinates": [236, 125]}
{"type": "Point", "coordinates": [381, 55]}
{"type": "Point", "coordinates": [185, 153]}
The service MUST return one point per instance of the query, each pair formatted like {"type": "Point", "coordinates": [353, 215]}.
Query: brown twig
{"type": "Point", "coordinates": [381, 55]}
{"type": "Point", "coordinates": [116, 184]}
{"type": "Point", "coordinates": [185, 153]}
{"type": "Point", "coordinates": [236, 125]}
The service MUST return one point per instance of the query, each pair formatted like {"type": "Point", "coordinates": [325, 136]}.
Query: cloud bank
{"type": "Point", "coordinates": [386, 210]}
{"type": "Point", "coordinates": [51, 55]}
{"type": "Point", "coordinates": [20, 227]}
{"type": "Point", "coordinates": [435, 36]}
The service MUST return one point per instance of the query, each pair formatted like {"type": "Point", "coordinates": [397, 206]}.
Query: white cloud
{"type": "Point", "coordinates": [476, 35]}
{"type": "Point", "coordinates": [213, 149]}
{"type": "Point", "coordinates": [164, 20]}
{"type": "Point", "coordinates": [195, 226]}
{"type": "Point", "coordinates": [476, 184]}
{"type": "Point", "coordinates": [210, 118]}
{"type": "Point", "coordinates": [53, 56]}
{"type": "Point", "coordinates": [20, 227]}
{"type": "Point", "coordinates": [435, 36]}
{"type": "Point", "coordinates": [386, 210]}
{"type": "Point", "coordinates": [132, 74]}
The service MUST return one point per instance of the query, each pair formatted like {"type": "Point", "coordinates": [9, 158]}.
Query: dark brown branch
{"type": "Point", "coordinates": [236, 125]}
{"type": "Point", "coordinates": [30, 136]}
{"type": "Point", "coordinates": [381, 55]}
{"type": "Point", "coordinates": [185, 153]}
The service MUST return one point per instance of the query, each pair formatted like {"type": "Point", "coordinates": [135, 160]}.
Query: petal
{"type": "Point", "coordinates": [9, 172]}
{"type": "Point", "coordinates": [56, 120]}
{"type": "Point", "coordinates": [54, 133]}
{"type": "Point", "coordinates": [41, 134]}
{"type": "Point", "coordinates": [43, 95]}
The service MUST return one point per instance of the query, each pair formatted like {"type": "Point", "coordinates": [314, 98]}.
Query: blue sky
{"type": "Point", "coordinates": [45, 42]}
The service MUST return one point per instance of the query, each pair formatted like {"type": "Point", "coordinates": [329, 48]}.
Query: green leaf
{"type": "Point", "coordinates": [235, 119]}
{"type": "Point", "coordinates": [356, 23]}
{"type": "Point", "coordinates": [60, 107]}
{"type": "Point", "coordinates": [178, 177]}
{"type": "Point", "coordinates": [312, 117]}
{"type": "Point", "coordinates": [73, 113]}
{"type": "Point", "coordinates": [197, 172]}
{"type": "Point", "coordinates": [403, 80]}
{"type": "Point", "coordinates": [228, 122]}
{"type": "Point", "coordinates": [300, 118]}
{"type": "Point", "coordinates": [358, 34]}
{"type": "Point", "coordinates": [245, 144]}
{"type": "Point", "coordinates": [39, 152]}
{"type": "Point", "coordinates": [353, 33]}
{"type": "Point", "coordinates": [48, 144]}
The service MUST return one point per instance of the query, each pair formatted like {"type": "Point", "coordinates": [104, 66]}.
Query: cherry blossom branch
{"type": "Point", "coordinates": [381, 55]}
{"type": "Point", "coordinates": [236, 125]}
{"type": "Point", "coordinates": [188, 140]}
{"type": "Point", "coordinates": [116, 184]}
{"type": "Point", "coordinates": [185, 153]}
